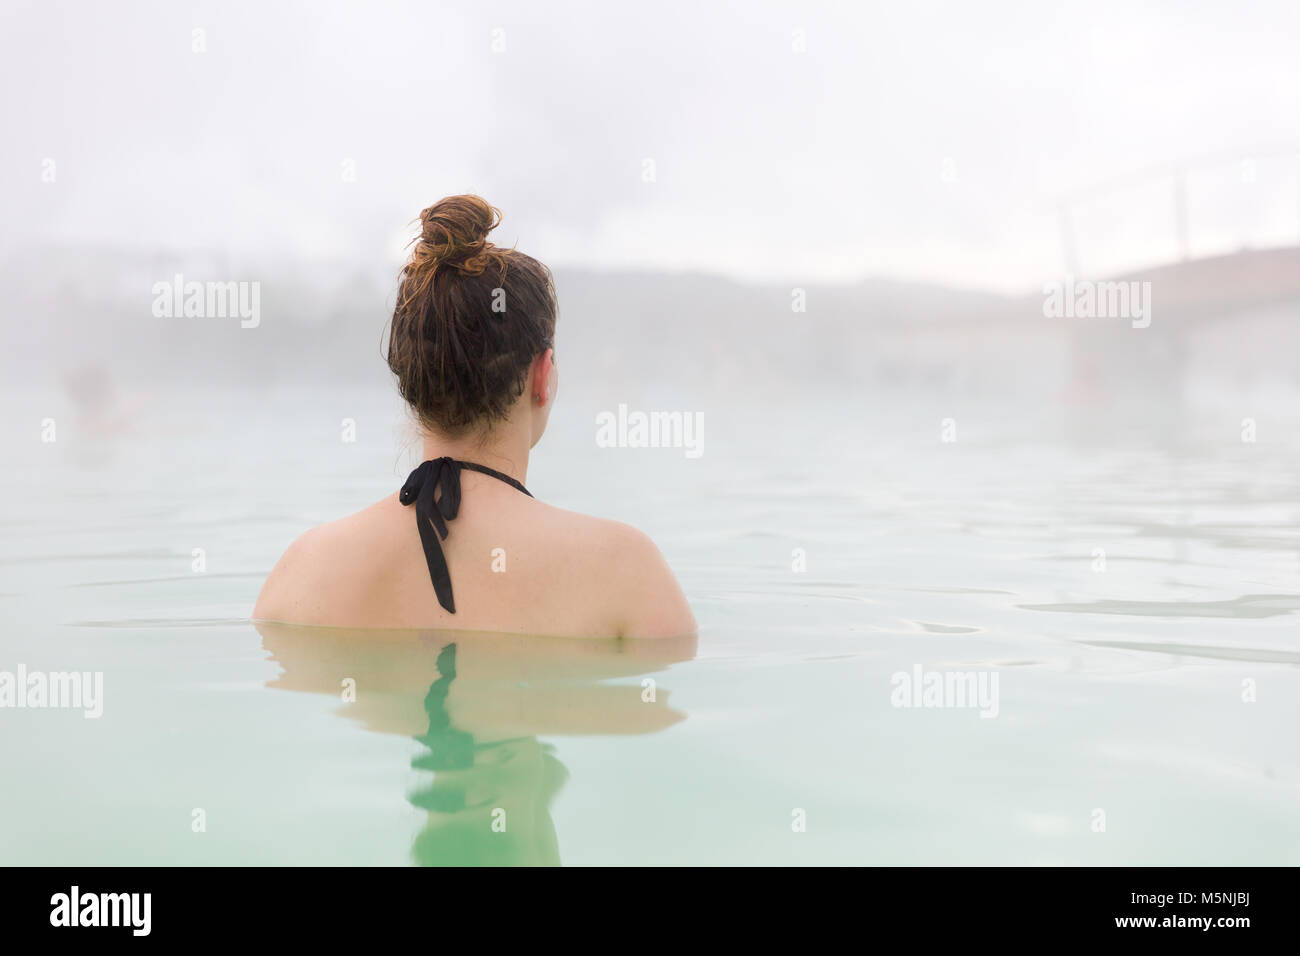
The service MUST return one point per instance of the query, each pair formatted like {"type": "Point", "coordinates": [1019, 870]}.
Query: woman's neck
{"type": "Point", "coordinates": [503, 448]}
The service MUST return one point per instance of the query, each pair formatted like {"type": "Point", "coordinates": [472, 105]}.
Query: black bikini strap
{"type": "Point", "coordinates": [485, 470]}
{"type": "Point", "coordinates": [434, 487]}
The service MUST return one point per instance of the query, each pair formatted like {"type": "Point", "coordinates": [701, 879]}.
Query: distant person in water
{"type": "Point", "coordinates": [471, 346]}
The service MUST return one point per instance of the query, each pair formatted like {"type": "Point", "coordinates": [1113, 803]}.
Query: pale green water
{"type": "Point", "coordinates": [1119, 690]}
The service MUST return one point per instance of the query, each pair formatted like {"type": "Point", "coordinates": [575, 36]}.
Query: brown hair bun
{"type": "Point", "coordinates": [469, 320]}
{"type": "Point", "coordinates": [454, 233]}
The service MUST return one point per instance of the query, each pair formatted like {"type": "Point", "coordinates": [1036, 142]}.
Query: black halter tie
{"type": "Point", "coordinates": [434, 487]}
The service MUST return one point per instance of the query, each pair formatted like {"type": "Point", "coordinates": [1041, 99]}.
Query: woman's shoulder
{"type": "Point", "coordinates": [327, 565]}
{"type": "Point", "coordinates": [624, 567]}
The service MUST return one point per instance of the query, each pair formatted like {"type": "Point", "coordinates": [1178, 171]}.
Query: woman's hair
{"type": "Point", "coordinates": [470, 318]}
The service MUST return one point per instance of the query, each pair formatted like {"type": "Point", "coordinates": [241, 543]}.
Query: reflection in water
{"type": "Point", "coordinates": [476, 703]}
{"type": "Point", "coordinates": [488, 802]}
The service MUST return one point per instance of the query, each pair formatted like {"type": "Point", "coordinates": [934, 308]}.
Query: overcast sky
{"type": "Point", "coordinates": [914, 140]}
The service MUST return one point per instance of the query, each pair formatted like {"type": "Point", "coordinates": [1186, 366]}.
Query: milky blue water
{"type": "Point", "coordinates": [1136, 597]}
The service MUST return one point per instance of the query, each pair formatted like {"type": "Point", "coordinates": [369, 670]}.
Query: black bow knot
{"type": "Point", "coordinates": [434, 487]}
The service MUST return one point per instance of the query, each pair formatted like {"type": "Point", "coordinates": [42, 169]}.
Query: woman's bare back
{"type": "Point", "coordinates": [517, 565]}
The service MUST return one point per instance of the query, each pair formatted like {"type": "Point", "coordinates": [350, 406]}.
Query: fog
{"type": "Point", "coordinates": [977, 323]}
{"type": "Point", "coordinates": [689, 170]}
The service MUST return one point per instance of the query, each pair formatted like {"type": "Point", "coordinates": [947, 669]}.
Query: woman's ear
{"type": "Point", "coordinates": [540, 382]}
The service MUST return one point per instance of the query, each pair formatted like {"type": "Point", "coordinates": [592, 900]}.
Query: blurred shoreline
{"type": "Point", "coordinates": [82, 317]}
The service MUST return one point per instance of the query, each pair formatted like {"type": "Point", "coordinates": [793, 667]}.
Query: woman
{"type": "Point", "coordinates": [471, 346]}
